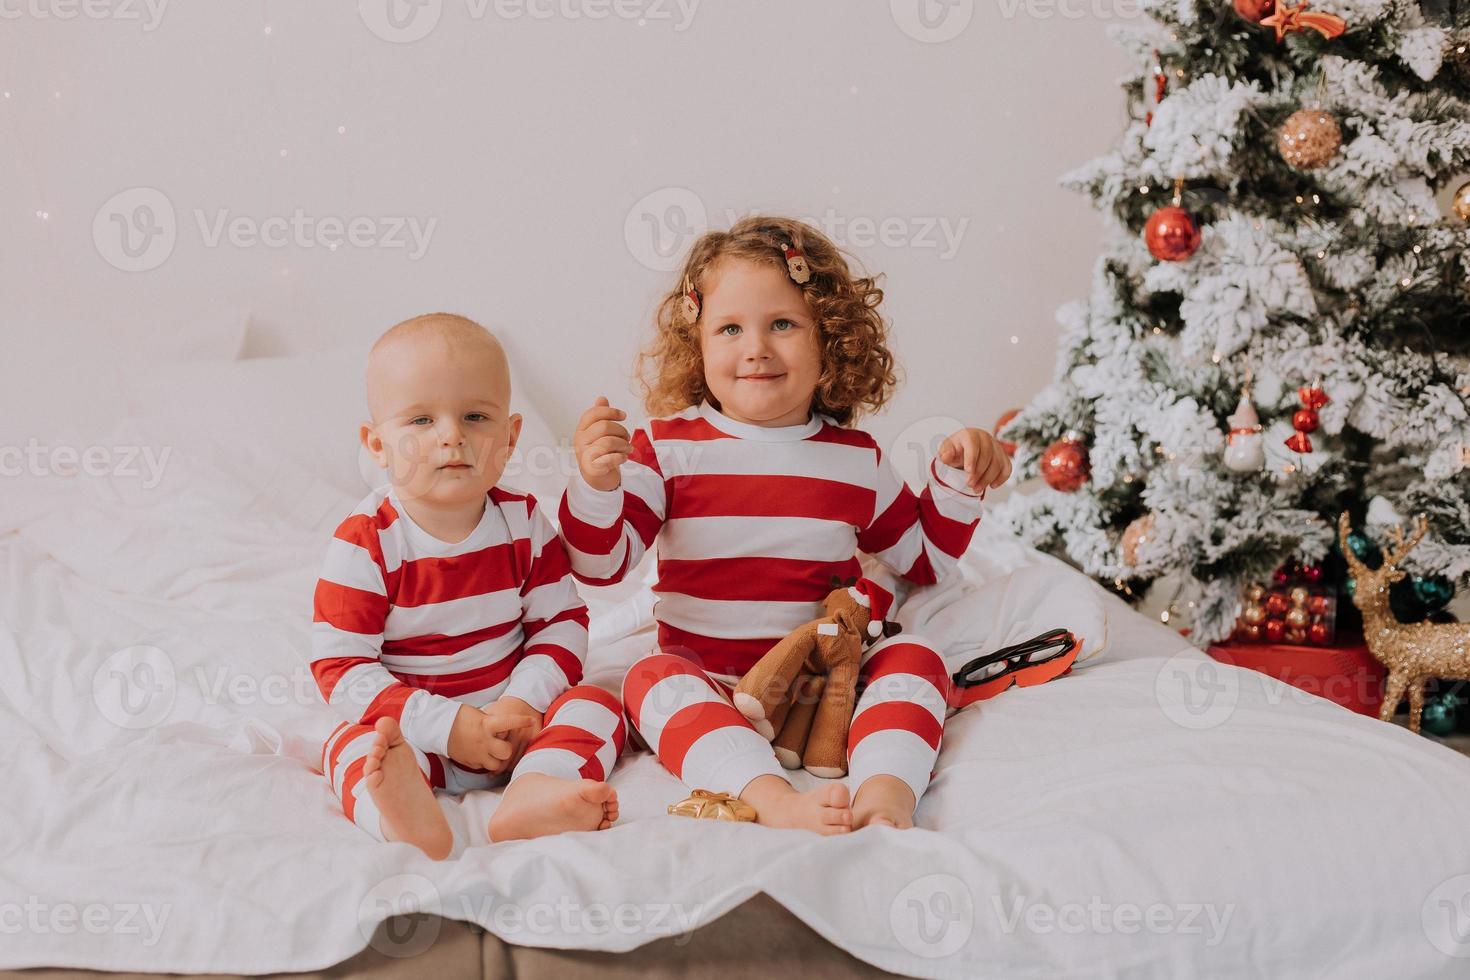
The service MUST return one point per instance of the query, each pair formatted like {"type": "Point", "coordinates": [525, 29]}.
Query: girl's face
{"type": "Point", "coordinates": [759, 339]}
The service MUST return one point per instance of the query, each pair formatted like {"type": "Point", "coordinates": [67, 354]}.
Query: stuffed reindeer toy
{"type": "Point", "coordinates": [801, 695]}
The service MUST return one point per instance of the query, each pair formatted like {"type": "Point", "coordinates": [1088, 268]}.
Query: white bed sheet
{"type": "Point", "coordinates": [1104, 824]}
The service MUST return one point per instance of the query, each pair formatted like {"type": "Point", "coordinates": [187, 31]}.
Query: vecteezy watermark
{"type": "Point", "coordinates": [399, 916]}
{"type": "Point", "coordinates": [1098, 916]}
{"type": "Point", "coordinates": [407, 21]}
{"type": "Point", "coordinates": [933, 916]}
{"type": "Point", "coordinates": [126, 462]}
{"type": "Point", "coordinates": [94, 918]}
{"type": "Point", "coordinates": [1445, 916]}
{"type": "Point", "coordinates": [135, 687]}
{"type": "Point", "coordinates": [221, 684]}
{"type": "Point", "coordinates": [148, 13]}
{"type": "Point", "coordinates": [568, 917]}
{"type": "Point", "coordinates": [1071, 9]}
{"type": "Point", "coordinates": [661, 225]}
{"type": "Point", "coordinates": [1195, 692]}
{"type": "Point", "coordinates": [136, 230]}
{"type": "Point", "coordinates": [932, 21]}
{"type": "Point", "coordinates": [395, 916]}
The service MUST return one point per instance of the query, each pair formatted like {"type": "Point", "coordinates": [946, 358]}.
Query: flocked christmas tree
{"type": "Point", "coordinates": [1279, 327]}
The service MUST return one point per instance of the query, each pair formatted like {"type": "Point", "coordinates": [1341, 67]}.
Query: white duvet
{"type": "Point", "coordinates": [1150, 815]}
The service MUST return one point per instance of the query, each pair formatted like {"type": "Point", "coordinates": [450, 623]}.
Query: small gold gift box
{"type": "Point", "coordinates": [706, 805]}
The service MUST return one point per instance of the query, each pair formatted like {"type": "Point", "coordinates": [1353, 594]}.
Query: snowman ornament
{"type": "Point", "coordinates": [1245, 450]}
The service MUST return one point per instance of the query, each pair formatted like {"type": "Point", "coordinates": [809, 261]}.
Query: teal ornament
{"type": "Point", "coordinates": [1433, 591]}
{"type": "Point", "coordinates": [1441, 714]}
{"type": "Point", "coordinates": [1364, 549]}
{"type": "Point", "coordinates": [1350, 585]}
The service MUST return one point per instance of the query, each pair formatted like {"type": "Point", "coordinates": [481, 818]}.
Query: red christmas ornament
{"type": "Point", "coordinates": [1255, 11]}
{"type": "Point", "coordinates": [1276, 604]}
{"type": "Point", "coordinates": [1317, 633]}
{"type": "Point", "coordinates": [1312, 397]}
{"type": "Point", "coordinates": [1275, 630]}
{"type": "Point", "coordinates": [1317, 605]}
{"type": "Point", "coordinates": [1305, 420]}
{"type": "Point", "coordinates": [1009, 448]}
{"type": "Point", "coordinates": [1299, 443]}
{"type": "Point", "coordinates": [1281, 576]}
{"type": "Point", "coordinates": [1312, 573]}
{"type": "Point", "coordinates": [1171, 234]}
{"type": "Point", "coordinates": [1064, 464]}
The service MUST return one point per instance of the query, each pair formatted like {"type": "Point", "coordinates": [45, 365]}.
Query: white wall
{"type": "Point", "coordinates": [533, 144]}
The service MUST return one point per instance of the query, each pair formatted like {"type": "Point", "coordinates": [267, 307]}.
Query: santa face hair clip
{"type": "Point", "coordinates": [691, 301]}
{"type": "Point", "coordinates": [796, 265]}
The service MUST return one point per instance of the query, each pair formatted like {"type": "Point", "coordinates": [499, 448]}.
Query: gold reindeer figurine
{"type": "Point", "coordinates": [1412, 652]}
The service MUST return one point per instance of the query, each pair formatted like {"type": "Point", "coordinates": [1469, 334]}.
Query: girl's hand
{"type": "Point", "coordinates": [601, 445]}
{"type": "Point", "coordinates": [979, 455]}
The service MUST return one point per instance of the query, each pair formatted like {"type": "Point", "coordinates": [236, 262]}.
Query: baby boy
{"type": "Point", "coordinates": [448, 632]}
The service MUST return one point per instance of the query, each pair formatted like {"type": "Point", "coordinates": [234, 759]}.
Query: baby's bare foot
{"type": "Point", "coordinates": [407, 809]}
{"type": "Point", "coordinates": [824, 809]}
{"type": "Point", "coordinates": [536, 805]}
{"type": "Point", "coordinates": [884, 801]}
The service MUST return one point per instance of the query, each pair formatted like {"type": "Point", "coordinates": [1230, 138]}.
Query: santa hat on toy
{"type": "Point", "coordinates": [877, 599]}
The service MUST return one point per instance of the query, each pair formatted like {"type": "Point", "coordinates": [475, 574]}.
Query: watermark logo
{"type": "Point", "coordinates": [135, 687]}
{"type": "Point", "coordinates": [661, 226]}
{"type": "Point", "coordinates": [1195, 692]}
{"type": "Point", "coordinates": [143, 463]}
{"type": "Point", "coordinates": [148, 13]}
{"type": "Point", "coordinates": [395, 915]}
{"type": "Point", "coordinates": [933, 916]}
{"type": "Point", "coordinates": [406, 21]}
{"type": "Point", "coordinates": [932, 21]}
{"type": "Point", "coordinates": [1445, 917]}
{"type": "Point", "coordinates": [400, 21]}
{"type": "Point", "coordinates": [135, 230]}
{"type": "Point", "coordinates": [1100, 917]}
{"type": "Point", "coordinates": [38, 917]}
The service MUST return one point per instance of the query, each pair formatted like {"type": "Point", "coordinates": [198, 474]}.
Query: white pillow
{"type": "Point", "coordinates": [67, 384]}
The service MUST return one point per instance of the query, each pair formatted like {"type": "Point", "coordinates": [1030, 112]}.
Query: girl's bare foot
{"type": "Point", "coordinates": [884, 801]}
{"type": "Point", "coordinates": [536, 805]}
{"type": "Point", "coordinates": [407, 810]}
{"type": "Point", "coordinates": [777, 804]}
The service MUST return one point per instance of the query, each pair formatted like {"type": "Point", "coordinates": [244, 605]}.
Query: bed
{"type": "Point", "coordinates": [1151, 814]}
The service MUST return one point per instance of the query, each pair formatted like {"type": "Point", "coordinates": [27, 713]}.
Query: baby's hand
{"type": "Point", "coordinates": [601, 445]}
{"type": "Point", "coordinates": [479, 741]}
{"type": "Point", "coordinates": [516, 722]}
{"type": "Point", "coordinates": [977, 452]}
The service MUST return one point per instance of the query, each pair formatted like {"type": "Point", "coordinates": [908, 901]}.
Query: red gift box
{"type": "Point", "coordinates": [1345, 674]}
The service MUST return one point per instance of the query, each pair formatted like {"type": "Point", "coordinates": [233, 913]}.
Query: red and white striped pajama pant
{"type": "Point", "coordinates": [582, 736]}
{"type": "Point", "coordinates": [687, 718]}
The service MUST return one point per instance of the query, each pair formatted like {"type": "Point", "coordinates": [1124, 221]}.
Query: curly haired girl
{"type": "Point", "coordinates": [759, 492]}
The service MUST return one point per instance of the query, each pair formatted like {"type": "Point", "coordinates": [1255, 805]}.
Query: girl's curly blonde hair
{"type": "Point", "coordinates": [858, 371]}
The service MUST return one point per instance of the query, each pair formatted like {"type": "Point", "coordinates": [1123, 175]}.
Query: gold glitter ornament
{"type": "Point", "coordinates": [1309, 138]}
{"type": "Point", "coordinates": [1461, 202]}
{"type": "Point", "coordinates": [1413, 652]}
{"type": "Point", "coordinates": [1135, 536]}
{"type": "Point", "coordinates": [705, 804]}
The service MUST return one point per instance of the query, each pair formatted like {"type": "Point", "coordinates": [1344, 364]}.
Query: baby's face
{"type": "Point", "coordinates": [760, 344]}
{"type": "Point", "coordinates": [442, 425]}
